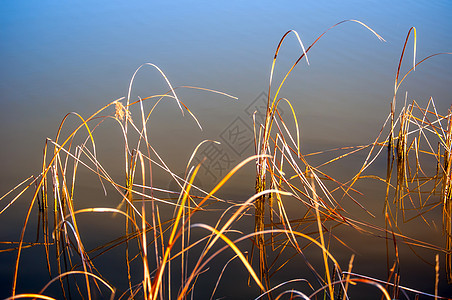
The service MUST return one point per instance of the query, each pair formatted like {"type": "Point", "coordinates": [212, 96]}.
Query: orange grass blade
{"type": "Point", "coordinates": [236, 250]}
{"type": "Point", "coordinates": [158, 278]}
{"type": "Point", "coordinates": [18, 195]}
{"type": "Point", "coordinates": [111, 288]}
{"type": "Point", "coordinates": [347, 278]}
{"type": "Point", "coordinates": [226, 178]}
{"type": "Point", "coordinates": [319, 225]}
{"type": "Point", "coordinates": [30, 296]}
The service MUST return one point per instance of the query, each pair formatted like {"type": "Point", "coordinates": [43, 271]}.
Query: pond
{"type": "Point", "coordinates": [61, 57]}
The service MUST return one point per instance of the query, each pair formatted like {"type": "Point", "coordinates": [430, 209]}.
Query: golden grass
{"type": "Point", "coordinates": [162, 244]}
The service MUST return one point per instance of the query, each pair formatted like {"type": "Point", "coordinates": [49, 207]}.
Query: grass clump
{"type": "Point", "coordinates": [160, 246]}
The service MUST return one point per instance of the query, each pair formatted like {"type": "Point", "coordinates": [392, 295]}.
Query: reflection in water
{"type": "Point", "coordinates": [58, 58]}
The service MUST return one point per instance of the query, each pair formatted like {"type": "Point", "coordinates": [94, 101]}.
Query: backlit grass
{"type": "Point", "coordinates": [159, 246]}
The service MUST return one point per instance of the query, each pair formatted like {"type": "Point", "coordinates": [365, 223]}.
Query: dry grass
{"type": "Point", "coordinates": [163, 245]}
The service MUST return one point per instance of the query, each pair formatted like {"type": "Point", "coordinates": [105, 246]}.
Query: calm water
{"type": "Point", "coordinates": [60, 56]}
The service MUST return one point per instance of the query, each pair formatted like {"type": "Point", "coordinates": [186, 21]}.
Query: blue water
{"type": "Point", "coordinates": [63, 56]}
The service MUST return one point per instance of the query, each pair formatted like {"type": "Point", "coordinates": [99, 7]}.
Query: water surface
{"type": "Point", "coordinates": [59, 57]}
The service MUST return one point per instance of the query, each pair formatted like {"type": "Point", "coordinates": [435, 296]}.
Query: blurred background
{"type": "Point", "coordinates": [58, 57]}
